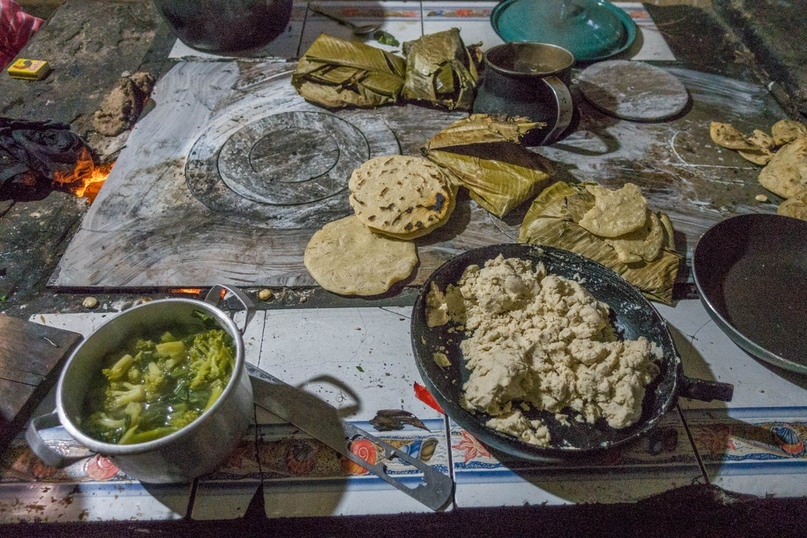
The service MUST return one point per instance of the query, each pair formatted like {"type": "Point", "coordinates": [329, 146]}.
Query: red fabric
{"type": "Point", "coordinates": [16, 28]}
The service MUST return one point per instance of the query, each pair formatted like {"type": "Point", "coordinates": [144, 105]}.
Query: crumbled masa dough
{"type": "Point", "coordinates": [546, 341]}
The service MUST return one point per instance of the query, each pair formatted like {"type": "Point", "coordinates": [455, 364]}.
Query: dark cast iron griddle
{"type": "Point", "coordinates": [751, 272]}
{"type": "Point", "coordinates": [632, 316]}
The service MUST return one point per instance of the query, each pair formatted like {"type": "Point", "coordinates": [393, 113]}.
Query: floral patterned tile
{"type": "Point", "coordinates": [303, 477]}
{"type": "Point", "coordinates": [661, 461]}
{"type": "Point", "coordinates": [472, 19]}
{"type": "Point", "coordinates": [91, 488]}
{"type": "Point", "coordinates": [227, 492]}
{"type": "Point", "coordinates": [756, 451]}
{"type": "Point", "coordinates": [401, 20]}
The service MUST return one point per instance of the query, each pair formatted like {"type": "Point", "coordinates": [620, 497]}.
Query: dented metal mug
{"type": "Point", "coordinates": [530, 80]}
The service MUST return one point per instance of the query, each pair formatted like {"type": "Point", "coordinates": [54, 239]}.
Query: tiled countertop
{"type": "Point", "coordinates": [364, 363]}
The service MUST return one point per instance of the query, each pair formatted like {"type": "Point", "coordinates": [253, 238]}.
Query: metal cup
{"type": "Point", "coordinates": [530, 80]}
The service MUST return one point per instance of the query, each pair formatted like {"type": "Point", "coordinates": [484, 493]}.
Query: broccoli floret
{"type": "Point", "coordinates": [153, 380]}
{"type": "Point", "coordinates": [104, 427]}
{"type": "Point", "coordinates": [180, 419]}
{"type": "Point", "coordinates": [211, 357]}
{"type": "Point", "coordinates": [119, 369]}
{"type": "Point", "coordinates": [106, 421]}
{"type": "Point", "coordinates": [117, 399]}
{"type": "Point", "coordinates": [144, 345]}
{"type": "Point", "coordinates": [217, 388]}
{"type": "Point", "coordinates": [174, 350]}
{"type": "Point", "coordinates": [167, 337]}
{"type": "Point", "coordinates": [133, 375]}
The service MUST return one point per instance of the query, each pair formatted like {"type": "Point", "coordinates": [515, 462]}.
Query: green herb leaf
{"type": "Point", "coordinates": [386, 38]}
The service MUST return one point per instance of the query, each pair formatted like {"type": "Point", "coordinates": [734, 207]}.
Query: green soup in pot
{"type": "Point", "coordinates": [155, 385]}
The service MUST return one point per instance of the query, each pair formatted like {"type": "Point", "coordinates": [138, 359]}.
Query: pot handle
{"type": "Point", "coordinates": [565, 108]}
{"type": "Point", "coordinates": [214, 296]}
{"type": "Point", "coordinates": [705, 391]}
{"type": "Point", "coordinates": [49, 456]}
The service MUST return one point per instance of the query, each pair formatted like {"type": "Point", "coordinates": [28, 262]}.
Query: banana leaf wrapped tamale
{"type": "Point", "coordinates": [483, 154]}
{"type": "Point", "coordinates": [553, 220]}
{"type": "Point", "coordinates": [441, 71]}
{"type": "Point", "coordinates": [336, 73]}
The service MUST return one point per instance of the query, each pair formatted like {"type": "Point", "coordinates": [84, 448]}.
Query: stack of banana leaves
{"type": "Point", "coordinates": [438, 70]}
{"type": "Point", "coordinates": [441, 71]}
{"type": "Point", "coordinates": [335, 73]}
{"type": "Point", "coordinates": [483, 153]}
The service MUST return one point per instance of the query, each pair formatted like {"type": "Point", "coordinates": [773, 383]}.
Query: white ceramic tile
{"type": "Point", "coordinates": [285, 46]}
{"type": "Point", "coordinates": [399, 19]}
{"type": "Point", "coordinates": [662, 461]}
{"type": "Point", "coordinates": [472, 19]}
{"type": "Point", "coordinates": [359, 360]}
{"type": "Point", "coordinates": [755, 451]}
{"type": "Point", "coordinates": [708, 353]}
{"type": "Point", "coordinates": [650, 44]}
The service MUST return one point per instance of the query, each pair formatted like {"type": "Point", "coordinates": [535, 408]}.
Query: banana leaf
{"type": "Point", "coordinates": [336, 73]}
{"type": "Point", "coordinates": [440, 70]}
{"type": "Point", "coordinates": [483, 154]}
{"type": "Point", "coordinates": [550, 221]}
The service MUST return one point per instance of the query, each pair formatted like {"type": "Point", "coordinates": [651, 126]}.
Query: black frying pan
{"type": "Point", "coordinates": [632, 315]}
{"type": "Point", "coordinates": [751, 272]}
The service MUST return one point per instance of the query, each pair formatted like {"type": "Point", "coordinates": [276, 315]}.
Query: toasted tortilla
{"type": "Point", "coordinates": [786, 173]}
{"type": "Point", "coordinates": [615, 213]}
{"type": "Point", "coordinates": [347, 258]}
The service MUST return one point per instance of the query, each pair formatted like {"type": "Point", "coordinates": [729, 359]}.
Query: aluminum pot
{"type": "Point", "coordinates": [198, 448]}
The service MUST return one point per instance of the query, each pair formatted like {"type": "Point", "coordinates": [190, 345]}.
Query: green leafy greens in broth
{"type": "Point", "coordinates": [157, 385]}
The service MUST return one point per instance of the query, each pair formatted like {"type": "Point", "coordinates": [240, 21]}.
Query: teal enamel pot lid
{"type": "Point", "coordinates": [590, 29]}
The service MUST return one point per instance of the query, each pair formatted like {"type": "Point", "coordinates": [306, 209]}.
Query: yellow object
{"type": "Point", "coordinates": [29, 69]}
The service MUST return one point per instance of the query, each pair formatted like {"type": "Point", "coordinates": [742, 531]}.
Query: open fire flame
{"type": "Point", "coordinates": [86, 178]}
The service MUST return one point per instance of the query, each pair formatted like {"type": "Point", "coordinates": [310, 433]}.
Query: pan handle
{"type": "Point", "coordinates": [705, 391]}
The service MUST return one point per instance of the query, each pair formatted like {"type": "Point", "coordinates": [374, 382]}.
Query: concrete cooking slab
{"type": "Point", "coordinates": [149, 228]}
